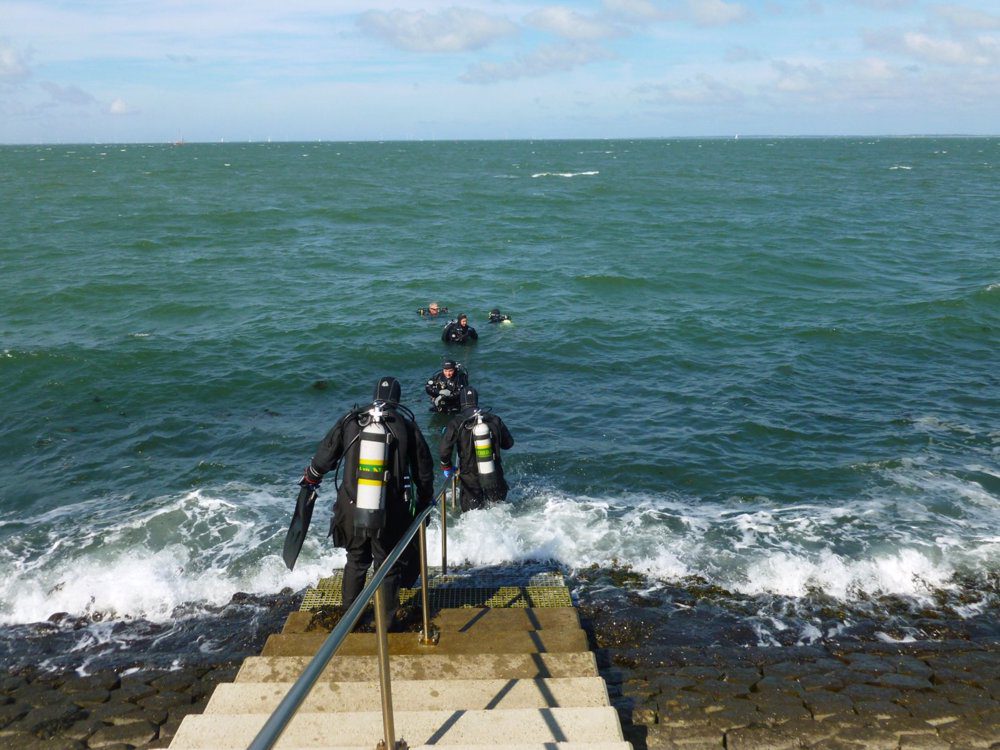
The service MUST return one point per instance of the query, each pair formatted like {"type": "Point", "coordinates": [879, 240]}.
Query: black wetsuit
{"type": "Point", "coordinates": [456, 333]}
{"type": "Point", "coordinates": [458, 435]}
{"type": "Point", "coordinates": [446, 403]}
{"type": "Point", "coordinates": [409, 459]}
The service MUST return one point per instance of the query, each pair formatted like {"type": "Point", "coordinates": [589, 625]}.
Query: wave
{"type": "Point", "coordinates": [106, 558]}
{"type": "Point", "coordinates": [787, 551]}
{"type": "Point", "coordinates": [200, 547]}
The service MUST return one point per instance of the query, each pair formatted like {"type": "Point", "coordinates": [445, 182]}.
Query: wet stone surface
{"type": "Point", "coordinates": [139, 710]}
{"type": "Point", "coordinates": [897, 696]}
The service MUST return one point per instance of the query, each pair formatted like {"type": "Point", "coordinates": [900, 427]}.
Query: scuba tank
{"type": "Point", "coordinates": [373, 473]}
{"type": "Point", "coordinates": [482, 441]}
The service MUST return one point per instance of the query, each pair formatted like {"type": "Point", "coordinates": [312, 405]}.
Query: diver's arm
{"type": "Point", "coordinates": [506, 439]}
{"type": "Point", "coordinates": [422, 468]}
{"type": "Point", "coordinates": [328, 453]}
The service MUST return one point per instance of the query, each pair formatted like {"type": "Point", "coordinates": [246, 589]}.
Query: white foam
{"type": "Point", "coordinates": [194, 548]}
{"type": "Point", "coordinates": [134, 557]}
{"type": "Point", "coordinates": [565, 174]}
{"type": "Point", "coordinates": [790, 551]}
{"type": "Point", "coordinates": [908, 572]}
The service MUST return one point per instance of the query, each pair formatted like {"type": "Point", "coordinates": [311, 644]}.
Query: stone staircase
{"type": "Point", "coordinates": [512, 669]}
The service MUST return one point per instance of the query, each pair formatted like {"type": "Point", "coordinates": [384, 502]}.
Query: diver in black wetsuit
{"type": "Point", "coordinates": [459, 331]}
{"type": "Point", "coordinates": [479, 436]}
{"type": "Point", "coordinates": [444, 386]}
{"type": "Point", "coordinates": [498, 317]}
{"type": "Point", "coordinates": [371, 535]}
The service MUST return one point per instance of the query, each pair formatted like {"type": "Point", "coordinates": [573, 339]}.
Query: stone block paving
{"type": "Point", "coordinates": [919, 696]}
{"type": "Point", "coordinates": [914, 696]}
{"type": "Point", "coordinates": [139, 710]}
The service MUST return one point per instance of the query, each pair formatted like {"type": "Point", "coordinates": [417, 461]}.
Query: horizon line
{"type": "Point", "coordinates": [729, 137]}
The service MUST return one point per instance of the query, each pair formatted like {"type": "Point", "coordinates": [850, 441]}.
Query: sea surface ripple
{"type": "Point", "coordinates": [767, 370]}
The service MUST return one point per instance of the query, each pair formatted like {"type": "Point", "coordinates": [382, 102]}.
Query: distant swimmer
{"type": "Point", "coordinates": [445, 385]}
{"type": "Point", "coordinates": [459, 331]}
{"type": "Point", "coordinates": [478, 436]}
{"type": "Point", "coordinates": [498, 317]}
{"type": "Point", "coordinates": [431, 311]}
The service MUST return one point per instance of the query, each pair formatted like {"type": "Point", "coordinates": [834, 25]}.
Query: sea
{"type": "Point", "coordinates": [754, 383]}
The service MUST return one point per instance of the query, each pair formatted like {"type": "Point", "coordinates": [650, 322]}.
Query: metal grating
{"type": "Point", "coordinates": [503, 589]}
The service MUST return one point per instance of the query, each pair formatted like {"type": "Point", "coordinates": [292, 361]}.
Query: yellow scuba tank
{"type": "Point", "coordinates": [373, 474]}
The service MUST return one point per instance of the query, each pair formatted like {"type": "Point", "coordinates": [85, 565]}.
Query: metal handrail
{"type": "Point", "coordinates": [290, 704]}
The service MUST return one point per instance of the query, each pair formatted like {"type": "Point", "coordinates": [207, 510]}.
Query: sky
{"type": "Point", "coordinates": [96, 71]}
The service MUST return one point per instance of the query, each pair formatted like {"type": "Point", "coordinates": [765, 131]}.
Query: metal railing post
{"type": "Point", "coordinates": [444, 537]}
{"type": "Point", "coordinates": [454, 490]}
{"type": "Point", "coordinates": [429, 638]}
{"type": "Point", "coordinates": [388, 729]}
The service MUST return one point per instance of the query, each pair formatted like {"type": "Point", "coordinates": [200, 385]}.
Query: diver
{"type": "Point", "coordinates": [444, 386]}
{"type": "Point", "coordinates": [479, 436]}
{"type": "Point", "coordinates": [432, 310]}
{"type": "Point", "coordinates": [383, 451]}
{"type": "Point", "coordinates": [498, 317]}
{"type": "Point", "coordinates": [459, 331]}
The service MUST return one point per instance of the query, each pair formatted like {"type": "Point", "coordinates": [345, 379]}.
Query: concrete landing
{"type": "Point", "coordinates": [472, 619]}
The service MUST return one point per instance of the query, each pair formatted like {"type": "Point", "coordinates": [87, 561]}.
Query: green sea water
{"type": "Point", "coordinates": [769, 363]}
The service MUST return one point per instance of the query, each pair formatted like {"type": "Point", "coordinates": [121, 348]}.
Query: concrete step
{"type": "Point", "coordinates": [415, 695]}
{"type": "Point", "coordinates": [314, 730]}
{"type": "Point", "coordinates": [522, 746]}
{"type": "Point", "coordinates": [469, 619]}
{"type": "Point", "coordinates": [486, 641]}
{"type": "Point", "coordinates": [431, 666]}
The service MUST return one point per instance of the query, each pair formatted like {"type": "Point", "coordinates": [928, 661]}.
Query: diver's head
{"type": "Point", "coordinates": [387, 389]}
{"type": "Point", "coordinates": [495, 312]}
{"type": "Point", "coordinates": [463, 320]}
{"type": "Point", "coordinates": [433, 308]}
{"type": "Point", "coordinates": [448, 368]}
{"type": "Point", "coordinates": [469, 398]}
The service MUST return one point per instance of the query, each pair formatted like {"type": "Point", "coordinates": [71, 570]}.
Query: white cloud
{"type": "Point", "coordinates": [716, 12]}
{"type": "Point", "coordinates": [13, 65]}
{"type": "Point", "coordinates": [739, 53]}
{"type": "Point", "coordinates": [861, 82]}
{"type": "Point", "coordinates": [569, 24]}
{"type": "Point", "coordinates": [884, 4]}
{"type": "Point", "coordinates": [978, 52]}
{"type": "Point", "coordinates": [541, 62]}
{"type": "Point", "coordinates": [702, 90]}
{"type": "Point", "coordinates": [119, 107]}
{"type": "Point", "coordinates": [961, 17]}
{"type": "Point", "coordinates": [71, 95]}
{"type": "Point", "coordinates": [958, 50]}
{"type": "Point", "coordinates": [451, 30]}
{"type": "Point", "coordinates": [633, 10]}
{"type": "Point", "coordinates": [797, 78]}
